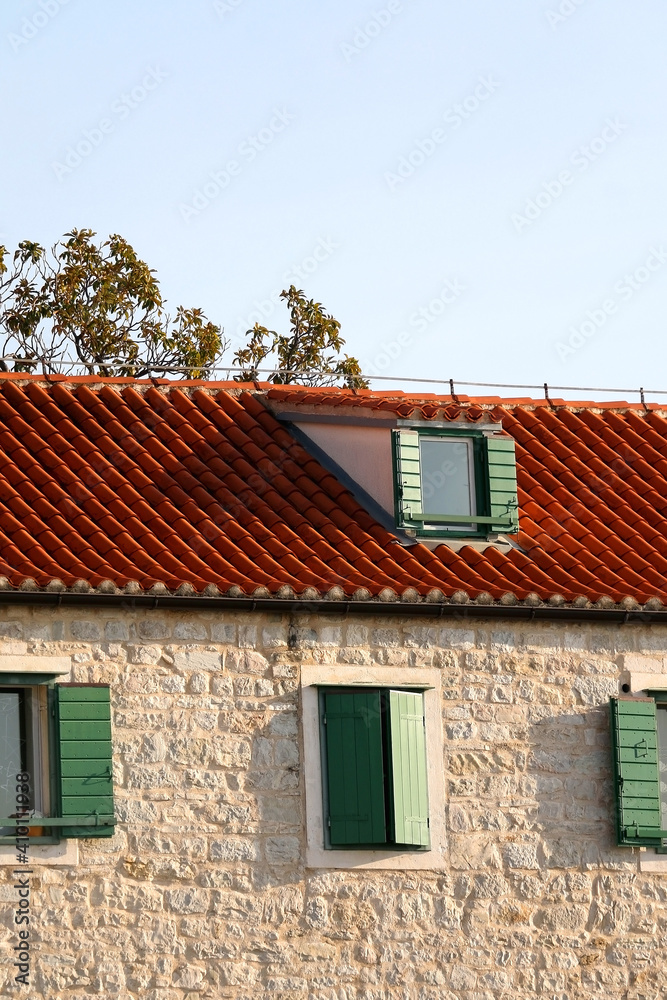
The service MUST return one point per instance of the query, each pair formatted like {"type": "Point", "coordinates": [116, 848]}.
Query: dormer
{"type": "Point", "coordinates": [423, 478]}
{"type": "Point", "coordinates": [454, 482]}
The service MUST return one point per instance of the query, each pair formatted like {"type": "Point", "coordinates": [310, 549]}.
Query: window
{"type": "Point", "coordinates": [322, 761]}
{"type": "Point", "coordinates": [639, 743]}
{"type": "Point", "coordinates": [374, 769]}
{"type": "Point", "coordinates": [59, 736]}
{"type": "Point", "coordinates": [23, 750]}
{"type": "Point", "coordinates": [450, 484]}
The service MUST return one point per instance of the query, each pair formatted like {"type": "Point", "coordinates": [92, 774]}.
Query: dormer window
{"type": "Point", "coordinates": [454, 484]}
{"type": "Point", "coordinates": [447, 473]}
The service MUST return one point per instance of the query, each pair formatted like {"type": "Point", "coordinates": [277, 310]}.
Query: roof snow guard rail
{"type": "Point", "coordinates": [451, 383]}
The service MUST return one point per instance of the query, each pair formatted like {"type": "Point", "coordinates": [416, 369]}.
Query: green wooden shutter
{"type": "Point", "coordinates": [503, 500]}
{"type": "Point", "coordinates": [409, 788]}
{"type": "Point", "coordinates": [354, 768]}
{"type": "Point", "coordinates": [85, 763]}
{"type": "Point", "coordinates": [407, 470]}
{"type": "Point", "coordinates": [636, 775]}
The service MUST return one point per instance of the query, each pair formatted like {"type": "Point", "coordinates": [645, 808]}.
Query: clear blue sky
{"type": "Point", "coordinates": [475, 190]}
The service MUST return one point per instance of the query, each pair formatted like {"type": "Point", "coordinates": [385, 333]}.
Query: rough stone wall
{"type": "Point", "coordinates": [202, 893]}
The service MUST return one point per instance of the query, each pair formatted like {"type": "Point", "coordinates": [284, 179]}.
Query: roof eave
{"type": "Point", "coordinates": [439, 610]}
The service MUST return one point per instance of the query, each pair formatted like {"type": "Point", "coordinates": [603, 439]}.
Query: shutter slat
{"type": "Point", "coordinates": [637, 780]}
{"type": "Point", "coordinates": [407, 742]}
{"type": "Point", "coordinates": [354, 766]}
{"type": "Point", "coordinates": [503, 497]}
{"type": "Point", "coordinates": [83, 692]}
{"type": "Point", "coordinates": [85, 755]}
{"type": "Point", "coordinates": [87, 710]}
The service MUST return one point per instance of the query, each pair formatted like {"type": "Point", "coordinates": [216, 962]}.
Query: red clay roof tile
{"type": "Point", "coordinates": [195, 482]}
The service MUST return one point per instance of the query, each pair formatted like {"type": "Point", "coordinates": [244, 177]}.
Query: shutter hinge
{"type": "Point", "coordinates": [324, 720]}
{"type": "Point", "coordinates": [329, 822]}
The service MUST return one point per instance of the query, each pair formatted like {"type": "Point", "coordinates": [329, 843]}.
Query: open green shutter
{"type": "Point", "coordinates": [503, 500]}
{"type": "Point", "coordinates": [409, 787]}
{"type": "Point", "coordinates": [354, 768]}
{"type": "Point", "coordinates": [636, 775]}
{"type": "Point", "coordinates": [408, 475]}
{"type": "Point", "coordinates": [85, 764]}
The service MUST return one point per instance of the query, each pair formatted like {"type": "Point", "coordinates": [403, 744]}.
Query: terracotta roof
{"type": "Point", "coordinates": [191, 487]}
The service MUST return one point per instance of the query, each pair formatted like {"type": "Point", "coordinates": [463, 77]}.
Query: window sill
{"type": "Point", "coordinates": [456, 544]}
{"type": "Point", "coordinates": [651, 861]}
{"type": "Point", "coordinates": [318, 857]}
{"type": "Point", "coordinates": [330, 675]}
{"type": "Point", "coordinates": [64, 853]}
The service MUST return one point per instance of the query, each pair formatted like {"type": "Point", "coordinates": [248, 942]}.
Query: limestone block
{"type": "Point", "coordinates": [520, 855]}
{"type": "Point", "coordinates": [356, 634]}
{"type": "Point", "coordinates": [286, 753]}
{"type": "Point", "coordinates": [284, 724]}
{"type": "Point", "coordinates": [144, 654]}
{"type": "Point", "coordinates": [234, 849]}
{"type": "Point", "coordinates": [282, 850]}
{"type": "Point", "coordinates": [189, 630]}
{"type": "Point", "coordinates": [595, 690]}
{"type": "Point", "coordinates": [223, 632]}
{"type": "Point", "coordinates": [452, 638]}
{"type": "Point", "coordinates": [197, 659]}
{"type": "Point", "coordinates": [85, 629]}
{"type": "Point", "coordinates": [186, 900]}
{"type": "Point", "coordinates": [12, 629]}
{"type": "Point", "coordinates": [152, 628]}
{"type": "Point", "coordinates": [199, 682]}
{"type": "Point", "coordinates": [242, 661]}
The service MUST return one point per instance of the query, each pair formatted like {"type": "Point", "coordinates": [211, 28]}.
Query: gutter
{"type": "Point", "coordinates": [393, 609]}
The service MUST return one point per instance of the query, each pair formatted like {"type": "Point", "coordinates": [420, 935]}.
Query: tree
{"type": "Point", "coordinates": [299, 356]}
{"type": "Point", "coordinates": [96, 309]}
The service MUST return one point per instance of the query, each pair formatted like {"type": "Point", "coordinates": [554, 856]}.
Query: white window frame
{"type": "Point", "coordinates": [324, 675]}
{"type": "Point", "coordinates": [472, 477]}
{"type": "Point", "coordinates": [37, 736]}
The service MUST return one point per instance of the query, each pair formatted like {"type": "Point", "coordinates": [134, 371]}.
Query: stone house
{"type": "Point", "coordinates": [305, 693]}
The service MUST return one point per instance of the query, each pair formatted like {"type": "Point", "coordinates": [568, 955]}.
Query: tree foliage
{"type": "Point", "coordinates": [96, 309]}
{"type": "Point", "coordinates": [302, 354]}
{"type": "Point", "coordinates": [91, 308]}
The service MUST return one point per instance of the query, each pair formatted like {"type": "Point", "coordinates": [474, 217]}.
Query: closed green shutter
{"type": "Point", "coordinates": [354, 768]}
{"type": "Point", "coordinates": [636, 776]}
{"type": "Point", "coordinates": [407, 470]}
{"type": "Point", "coordinates": [407, 738]}
{"type": "Point", "coordinates": [85, 762]}
{"type": "Point", "coordinates": [503, 500]}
